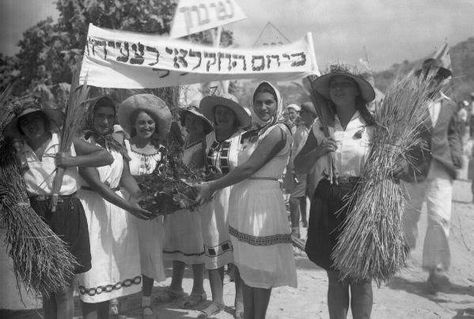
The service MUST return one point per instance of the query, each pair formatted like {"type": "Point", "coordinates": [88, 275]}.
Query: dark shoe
{"type": "Point", "coordinates": [438, 281]}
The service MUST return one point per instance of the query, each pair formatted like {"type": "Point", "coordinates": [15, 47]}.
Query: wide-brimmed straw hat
{"type": "Point", "coordinates": [432, 64]}
{"type": "Point", "coordinates": [321, 84]}
{"type": "Point", "coordinates": [152, 105]}
{"type": "Point", "coordinates": [30, 106]}
{"type": "Point", "coordinates": [208, 104]}
{"type": "Point", "coordinates": [194, 110]}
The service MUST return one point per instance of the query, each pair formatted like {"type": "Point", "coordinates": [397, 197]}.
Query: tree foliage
{"type": "Point", "coordinates": [50, 50]}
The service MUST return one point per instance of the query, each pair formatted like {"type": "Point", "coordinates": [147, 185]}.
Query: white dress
{"type": "Point", "coordinates": [258, 222]}
{"type": "Point", "coordinates": [114, 245]}
{"type": "Point", "coordinates": [150, 232]}
{"type": "Point", "coordinates": [215, 226]}
{"type": "Point", "coordinates": [183, 236]}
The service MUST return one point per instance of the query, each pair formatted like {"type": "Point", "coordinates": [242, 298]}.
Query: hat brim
{"type": "Point", "coordinates": [55, 116]}
{"type": "Point", "coordinates": [208, 127]}
{"type": "Point", "coordinates": [321, 85]}
{"type": "Point", "coordinates": [150, 104]}
{"type": "Point", "coordinates": [208, 104]}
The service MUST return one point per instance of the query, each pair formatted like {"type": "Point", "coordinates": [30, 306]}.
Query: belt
{"type": "Point", "coordinates": [90, 189]}
{"type": "Point", "coordinates": [61, 198]}
{"type": "Point", "coordinates": [347, 179]}
{"type": "Point", "coordinates": [265, 178]}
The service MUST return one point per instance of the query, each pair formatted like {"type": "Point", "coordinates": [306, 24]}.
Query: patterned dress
{"type": "Point", "coordinates": [114, 245]}
{"type": "Point", "coordinates": [183, 236]}
{"type": "Point", "coordinates": [217, 244]}
{"type": "Point", "coordinates": [258, 222]}
{"type": "Point", "coordinates": [150, 232]}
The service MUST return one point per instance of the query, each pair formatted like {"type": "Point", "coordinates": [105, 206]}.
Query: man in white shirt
{"type": "Point", "coordinates": [436, 169]}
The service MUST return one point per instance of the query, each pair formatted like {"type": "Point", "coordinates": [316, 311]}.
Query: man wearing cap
{"type": "Point", "coordinates": [298, 196]}
{"type": "Point", "coordinates": [436, 168]}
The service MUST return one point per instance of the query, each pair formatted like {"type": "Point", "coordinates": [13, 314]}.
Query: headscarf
{"type": "Point", "coordinates": [107, 141]}
{"type": "Point", "coordinates": [260, 126]}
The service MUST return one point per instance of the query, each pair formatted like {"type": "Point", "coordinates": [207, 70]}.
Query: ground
{"type": "Point", "coordinates": [403, 297]}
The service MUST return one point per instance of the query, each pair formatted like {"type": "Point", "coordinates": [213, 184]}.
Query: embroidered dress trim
{"type": "Point", "coordinates": [182, 253]}
{"type": "Point", "coordinates": [218, 250]}
{"type": "Point", "coordinates": [218, 156]}
{"type": "Point", "coordinates": [109, 288]}
{"type": "Point", "coordinates": [260, 240]}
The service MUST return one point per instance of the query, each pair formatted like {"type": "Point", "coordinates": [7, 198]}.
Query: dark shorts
{"type": "Point", "coordinates": [327, 215]}
{"type": "Point", "coordinates": [70, 224]}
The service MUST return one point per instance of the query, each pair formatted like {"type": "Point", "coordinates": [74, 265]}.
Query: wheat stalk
{"type": "Point", "coordinates": [371, 244]}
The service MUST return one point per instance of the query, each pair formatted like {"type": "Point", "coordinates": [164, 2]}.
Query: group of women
{"type": "Point", "coordinates": [242, 219]}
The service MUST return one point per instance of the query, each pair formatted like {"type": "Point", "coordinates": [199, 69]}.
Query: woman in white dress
{"type": "Point", "coordinates": [258, 222]}
{"type": "Point", "coordinates": [183, 237]}
{"type": "Point", "coordinates": [115, 253]}
{"type": "Point", "coordinates": [147, 119]}
{"type": "Point", "coordinates": [223, 145]}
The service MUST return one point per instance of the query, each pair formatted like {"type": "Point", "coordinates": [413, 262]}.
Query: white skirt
{"type": "Point", "coordinates": [115, 251]}
{"type": "Point", "coordinates": [261, 234]}
{"type": "Point", "coordinates": [151, 236]}
{"type": "Point", "coordinates": [183, 237]}
{"type": "Point", "coordinates": [215, 231]}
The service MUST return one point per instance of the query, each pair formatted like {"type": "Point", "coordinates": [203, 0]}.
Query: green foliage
{"type": "Point", "coordinates": [49, 51]}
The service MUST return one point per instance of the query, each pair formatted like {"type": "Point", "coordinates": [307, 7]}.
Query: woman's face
{"type": "Point", "coordinates": [265, 106]}
{"type": "Point", "coordinates": [225, 118]}
{"type": "Point", "coordinates": [343, 90]}
{"type": "Point", "coordinates": [104, 119]}
{"type": "Point", "coordinates": [193, 125]}
{"type": "Point", "coordinates": [292, 114]}
{"type": "Point", "coordinates": [32, 125]}
{"type": "Point", "coordinates": [144, 125]}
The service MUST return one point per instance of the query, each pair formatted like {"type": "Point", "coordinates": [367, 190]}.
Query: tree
{"type": "Point", "coordinates": [50, 50]}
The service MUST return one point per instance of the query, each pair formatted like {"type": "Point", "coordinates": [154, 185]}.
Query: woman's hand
{"type": "Point", "coordinates": [327, 145]}
{"type": "Point", "coordinates": [141, 213]}
{"type": "Point", "coordinates": [204, 192]}
{"type": "Point", "coordinates": [64, 160]}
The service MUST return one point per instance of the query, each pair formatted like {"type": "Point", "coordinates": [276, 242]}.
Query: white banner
{"type": "Point", "coordinates": [194, 16]}
{"type": "Point", "coordinates": [118, 59]}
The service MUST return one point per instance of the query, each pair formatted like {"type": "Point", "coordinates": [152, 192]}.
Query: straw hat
{"type": "Point", "coordinates": [434, 64]}
{"type": "Point", "coordinates": [191, 109]}
{"type": "Point", "coordinates": [209, 103]}
{"type": "Point", "coordinates": [321, 84]}
{"type": "Point", "coordinates": [28, 106]}
{"type": "Point", "coordinates": [152, 105]}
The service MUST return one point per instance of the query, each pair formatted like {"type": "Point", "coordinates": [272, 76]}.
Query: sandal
{"type": "Point", "coordinates": [194, 299]}
{"type": "Point", "coordinates": [168, 295]}
{"type": "Point", "coordinates": [239, 311]}
{"type": "Point", "coordinates": [147, 313]}
{"type": "Point", "coordinates": [213, 309]}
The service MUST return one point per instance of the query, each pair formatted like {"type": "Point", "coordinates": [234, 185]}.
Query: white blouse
{"type": "Point", "coordinates": [353, 147]}
{"type": "Point", "coordinates": [143, 164]}
{"type": "Point", "coordinates": [40, 174]}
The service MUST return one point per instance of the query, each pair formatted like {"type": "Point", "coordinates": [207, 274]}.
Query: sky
{"type": "Point", "coordinates": [391, 31]}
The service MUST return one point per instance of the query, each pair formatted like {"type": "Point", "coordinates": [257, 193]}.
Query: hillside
{"type": "Point", "coordinates": [462, 60]}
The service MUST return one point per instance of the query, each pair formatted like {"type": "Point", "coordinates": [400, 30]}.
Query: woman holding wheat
{"type": "Point", "coordinates": [115, 253]}
{"type": "Point", "coordinates": [40, 157]}
{"type": "Point", "coordinates": [351, 129]}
